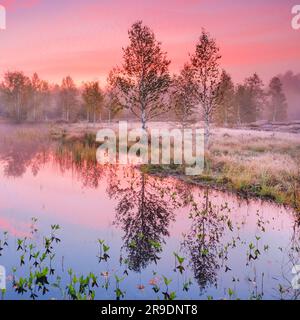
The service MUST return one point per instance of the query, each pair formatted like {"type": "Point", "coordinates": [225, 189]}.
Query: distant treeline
{"type": "Point", "coordinates": [144, 88]}
{"type": "Point", "coordinates": [24, 98]}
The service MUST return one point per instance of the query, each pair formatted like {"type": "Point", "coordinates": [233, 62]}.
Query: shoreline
{"type": "Point", "coordinates": [250, 164]}
{"type": "Point", "coordinates": [244, 195]}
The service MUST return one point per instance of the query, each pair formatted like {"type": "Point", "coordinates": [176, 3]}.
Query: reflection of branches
{"type": "Point", "coordinates": [293, 260]}
{"type": "Point", "coordinates": [203, 242]}
{"type": "Point", "coordinates": [144, 211]}
{"type": "Point", "coordinates": [23, 151]}
{"type": "Point", "coordinates": [81, 160]}
{"type": "Point", "coordinates": [31, 150]}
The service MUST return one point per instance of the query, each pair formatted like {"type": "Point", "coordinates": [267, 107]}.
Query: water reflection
{"type": "Point", "coordinates": [203, 241]}
{"type": "Point", "coordinates": [144, 211]}
{"type": "Point", "coordinates": [81, 160]}
{"type": "Point", "coordinates": [228, 245]}
{"type": "Point", "coordinates": [22, 151]}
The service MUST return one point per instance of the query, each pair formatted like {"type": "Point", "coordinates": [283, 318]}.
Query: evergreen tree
{"type": "Point", "coordinates": [277, 104]}
{"type": "Point", "coordinates": [226, 111]}
{"type": "Point", "coordinates": [251, 99]}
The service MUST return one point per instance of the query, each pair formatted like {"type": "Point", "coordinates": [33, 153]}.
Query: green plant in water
{"type": "Point", "coordinates": [180, 260]}
{"type": "Point", "coordinates": [187, 285]}
{"type": "Point", "coordinates": [166, 294]}
{"type": "Point", "coordinates": [119, 293]}
{"type": "Point", "coordinates": [103, 251]}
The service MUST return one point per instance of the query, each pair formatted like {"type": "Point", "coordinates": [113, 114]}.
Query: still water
{"type": "Point", "coordinates": [141, 237]}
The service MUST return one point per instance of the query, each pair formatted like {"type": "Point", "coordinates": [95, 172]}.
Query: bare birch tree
{"type": "Point", "coordinates": [38, 97]}
{"type": "Point", "coordinates": [68, 97]}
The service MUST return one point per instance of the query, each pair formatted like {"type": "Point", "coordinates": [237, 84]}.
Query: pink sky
{"type": "Point", "coordinates": [84, 38]}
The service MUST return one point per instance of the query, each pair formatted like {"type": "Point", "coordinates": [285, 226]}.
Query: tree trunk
{"type": "Point", "coordinates": [239, 116]}
{"type": "Point", "coordinates": [18, 108]}
{"type": "Point", "coordinates": [143, 119]}
{"type": "Point", "coordinates": [274, 114]}
{"type": "Point", "coordinates": [206, 131]}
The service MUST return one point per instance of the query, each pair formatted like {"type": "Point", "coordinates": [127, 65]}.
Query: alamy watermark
{"type": "Point", "coordinates": [155, 146]}
{"type": "Point", "coordinates": [2, 17]}
{"type": "Point", "coordinates": [296, 17]}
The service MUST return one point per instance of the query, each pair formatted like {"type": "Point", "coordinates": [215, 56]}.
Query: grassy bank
{"type": "Point", "coordinates": [253, 164]}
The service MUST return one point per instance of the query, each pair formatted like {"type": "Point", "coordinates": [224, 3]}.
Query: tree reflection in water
{"type": "Point", "coordinates": [81, 160]}
{"type": "Point", "coordinates": [22, 150]}
{"type": "Point", "coordinates": [202, 243]}
{"type": "Point", "coordinates": [144, 211]}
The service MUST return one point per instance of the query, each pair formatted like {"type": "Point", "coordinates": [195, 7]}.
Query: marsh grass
{"type": "Point", "coordinates": [253, 164]}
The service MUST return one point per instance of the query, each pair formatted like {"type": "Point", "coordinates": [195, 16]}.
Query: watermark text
{"type": "Point", "coordinates": [296, 17]}
{"type": "Point", "coordinates": [2, 17]}
{"type": "Point", "coordinates": [155, 146]}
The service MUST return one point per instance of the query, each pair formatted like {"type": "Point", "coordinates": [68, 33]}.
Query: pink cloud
{"type": "Point", "coordinates": [17, 4]}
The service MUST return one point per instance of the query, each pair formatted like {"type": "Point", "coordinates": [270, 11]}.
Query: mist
{"type": "Point", "coordinates": [291, 86]}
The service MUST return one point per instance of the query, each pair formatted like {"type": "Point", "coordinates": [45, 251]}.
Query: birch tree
{"type": "Point", "coordinates": [15, 89]}
{"type": "Point", "coordinates": [205, 62]}
{"type": "Point", "coordinates": [93, 100]}
{"type": "Point", "coordinates": [38, 97]}
{"type": "Point", "coordinates": [183, 93]}
{"type": "Point", "coordinates": [112, 104]}
{"type": "Point", "coordinates": [68, 97]}
{"type": "Point", "coordinates": [142, 83]}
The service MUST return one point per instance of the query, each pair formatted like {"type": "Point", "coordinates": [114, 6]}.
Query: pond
{"type": "Point", "coordinates": [72, 229]}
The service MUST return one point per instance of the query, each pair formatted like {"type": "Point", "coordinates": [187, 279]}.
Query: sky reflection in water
{"type": "Point", "coordinates": [248, 247]}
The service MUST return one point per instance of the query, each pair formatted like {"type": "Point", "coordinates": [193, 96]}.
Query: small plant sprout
{"type": "Point", "coordinates": [180, 261]}
{"type": "Point", "coordinates": [166, 294]}
{"type": "Point", "coordinates": [230, 293]}
{"type": "Point", "coordinates": [187, 285]}
{"type": "Point", "coordinates": [119, 293]}
{"type": "Point", "coordinates": [103, 251]}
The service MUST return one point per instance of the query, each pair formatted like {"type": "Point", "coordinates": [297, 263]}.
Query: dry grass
{"type": "Point", "coordinates": [252, 163]}
{"type": "Point", "coordinates": [256, 163]}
